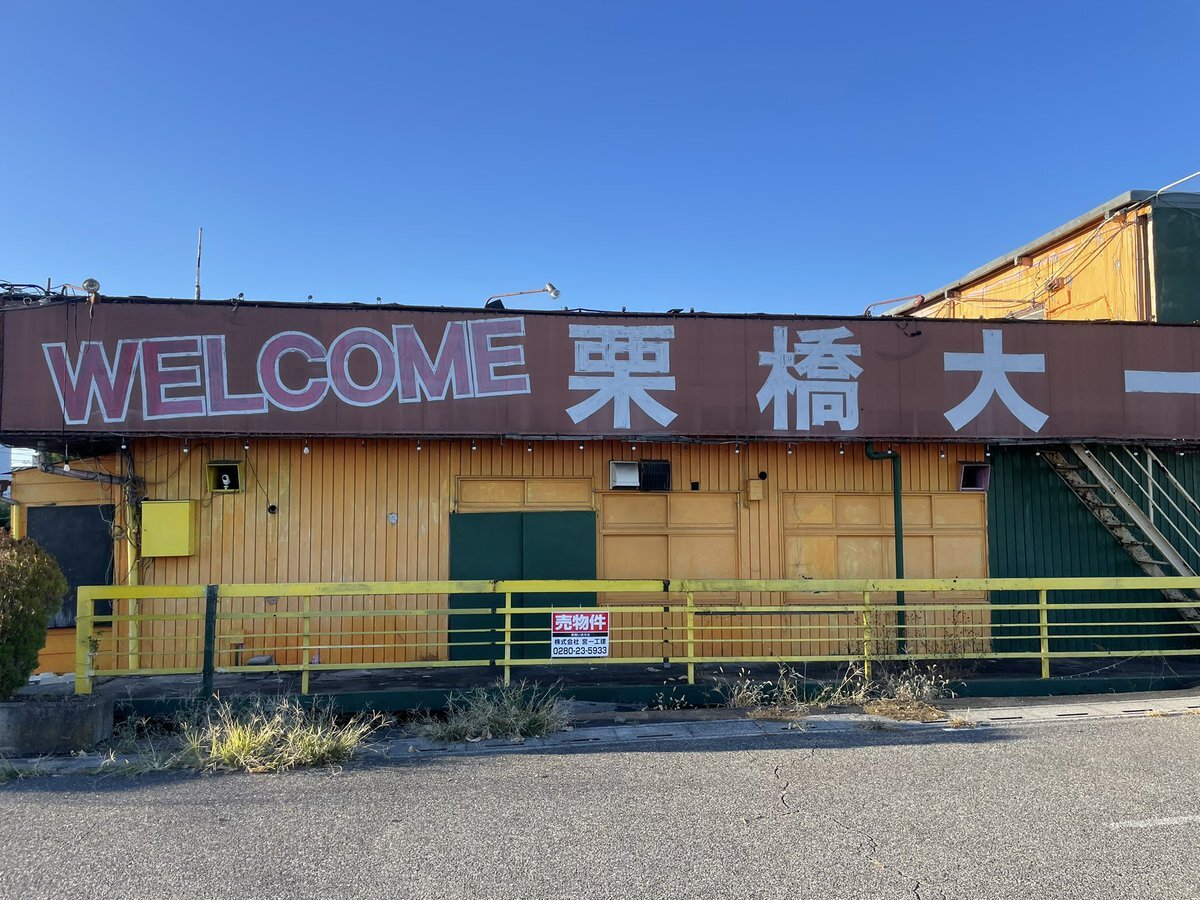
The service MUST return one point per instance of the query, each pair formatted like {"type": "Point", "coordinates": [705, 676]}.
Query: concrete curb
{"type": "Point", "coordinates": [712, 725]}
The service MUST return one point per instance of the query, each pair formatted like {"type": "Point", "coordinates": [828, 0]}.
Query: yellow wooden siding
{"type": "Point", "coordinates": [32, 487]}
{"type": "Point", "coordinates": [333, 505]}
{"type": "Point", "coordinates": [58, 656]}
{"type": "Point", "coordinates": [1101, 269]}
{"type": "Point", "coordinates": [851, 536]}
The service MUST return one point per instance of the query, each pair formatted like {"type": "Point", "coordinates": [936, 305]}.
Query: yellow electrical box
{"type": "Point", "coordinates": [754, 489]}
{"type": "Point", "coordinates": [168, 528]}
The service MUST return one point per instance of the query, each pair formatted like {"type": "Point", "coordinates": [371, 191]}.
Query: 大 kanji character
{"type": "Point", "coordinates": [994, 365]}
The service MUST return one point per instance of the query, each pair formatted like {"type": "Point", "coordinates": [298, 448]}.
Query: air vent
{"type": "Point", "coordinates": [646, 475]}
{"type": "Point", "coordinates": [623, 476]}
{"type": "Point", "coordinates": [654, 475]}
{"type": "Point", "coordinates": [974, 477]}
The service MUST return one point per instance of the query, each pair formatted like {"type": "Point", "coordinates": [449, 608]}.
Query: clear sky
{"type": "Point", "coordinates": [727, 156]}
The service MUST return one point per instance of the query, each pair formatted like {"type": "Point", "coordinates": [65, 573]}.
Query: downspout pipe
{"type": "Point", "coordinates": [898, 529]}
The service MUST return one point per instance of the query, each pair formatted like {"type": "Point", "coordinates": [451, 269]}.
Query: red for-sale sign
{"type": "Point", "coordinates": [578, 633]}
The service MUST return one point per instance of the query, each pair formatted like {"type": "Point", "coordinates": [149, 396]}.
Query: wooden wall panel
{"type": "Point", "coordinates": [335, 507]}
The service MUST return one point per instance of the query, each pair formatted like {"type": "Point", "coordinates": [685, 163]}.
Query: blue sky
{"type": "Point", "coordinates": [727, 156]}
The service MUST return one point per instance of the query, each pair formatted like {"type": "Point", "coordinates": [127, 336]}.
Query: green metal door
{"type": "Point", "coordinates": [555, 545]}
{"type": "Point", "coordinates": [494, 546]}
{"type": "Point", "coordinates": [487, 547]}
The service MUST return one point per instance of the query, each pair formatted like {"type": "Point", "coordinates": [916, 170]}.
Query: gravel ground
{"type": "Point", "coordinates": [1082, 810]}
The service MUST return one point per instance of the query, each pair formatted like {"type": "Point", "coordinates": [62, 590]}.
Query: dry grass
{"type": "Point", "coordinates": [904, 710]}
{"type": "Point", "coordinates": [781, 698]}
{"type": "Point", "coordinates": [1157, 713]}
{"type": "Point", "coordinates": [961, 722]}
{"type": "Point", "coordinates": [905, 694]}
{"type": "Point", "coordinates": [252, 734]}
{"type": "Point", "coordinates": [515, 711]}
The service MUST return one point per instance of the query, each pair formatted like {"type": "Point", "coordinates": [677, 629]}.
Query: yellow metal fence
{"type": "Point", "coordinates": [306, 628]}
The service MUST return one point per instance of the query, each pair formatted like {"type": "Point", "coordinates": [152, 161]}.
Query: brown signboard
{"type": "Point", "coordinates": [159, 367]}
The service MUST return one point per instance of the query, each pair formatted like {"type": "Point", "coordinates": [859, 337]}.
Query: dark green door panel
{"type": "Point", "coordinates": [483, 546]}
{"type": "Point", "coordinates": [556, 545]}
{"type": "Point", "coordinates": [494, 546]}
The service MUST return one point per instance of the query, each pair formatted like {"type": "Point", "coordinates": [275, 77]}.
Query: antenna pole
{"type": "Point", "coordinates": [199, 247]}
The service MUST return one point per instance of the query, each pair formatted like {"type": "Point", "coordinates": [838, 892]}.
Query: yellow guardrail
{"type": "Point", "coordinates": [312, 627]}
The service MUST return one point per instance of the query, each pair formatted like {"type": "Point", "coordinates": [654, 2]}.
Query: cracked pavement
{"type": "Point", "coordinates": [1080, 809]}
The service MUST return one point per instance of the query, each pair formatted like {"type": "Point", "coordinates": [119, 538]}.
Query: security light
{"type": "Point", "coordinates": [552, 291]}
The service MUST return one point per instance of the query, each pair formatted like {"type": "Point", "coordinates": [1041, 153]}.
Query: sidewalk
{"type": "Point", "coordinates": [602, 725]}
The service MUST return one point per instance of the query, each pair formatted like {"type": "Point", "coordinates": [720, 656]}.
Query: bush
{"type": "Point", "coordinates": [31, 592]}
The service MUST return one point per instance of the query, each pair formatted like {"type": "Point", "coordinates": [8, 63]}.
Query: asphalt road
{"type": "Point", "coordinates": [1081, 810]}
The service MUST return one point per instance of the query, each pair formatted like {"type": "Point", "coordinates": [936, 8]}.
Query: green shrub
{"type": "Point", "coordinates": [31, 592]}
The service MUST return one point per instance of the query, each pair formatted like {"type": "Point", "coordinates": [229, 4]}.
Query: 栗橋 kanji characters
{"type": "Point", "coordinates": [819, 372]}
{"type": "Point", "coordinates": [622, 364]}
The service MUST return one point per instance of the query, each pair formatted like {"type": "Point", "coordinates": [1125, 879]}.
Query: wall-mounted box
{"type": "Point", "coordinates": [754, 489]}
{"type": "Point", "coordinates": [168, 528]}
{"type": "Point", "coordinates": [224, 476]}
{"type": "Point", "coordinates": [623, 475]}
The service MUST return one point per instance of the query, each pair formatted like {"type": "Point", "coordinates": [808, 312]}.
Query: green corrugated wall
{"type": "Point", "coordinates": [1038, 527]}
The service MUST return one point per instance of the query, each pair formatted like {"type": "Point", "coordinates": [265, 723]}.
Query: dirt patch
{"type": "Point", "coordinates": [904, 710]}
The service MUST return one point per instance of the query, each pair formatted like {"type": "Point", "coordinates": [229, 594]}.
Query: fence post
{"type": "Point", "coordinates": [1044, 630]}
{"type": "Point", "coordinates": [84, 610]}
{"type": "Point", "coordinates": [210, 640]}
{"type": "Point", "coordinates": [507, 637]}
{"type": "Point", "coordinates": [306, 630]}
{"type": "Point", "coordinates": [691, 637]}
{"type": "Point", "coordinates": [866, 618]}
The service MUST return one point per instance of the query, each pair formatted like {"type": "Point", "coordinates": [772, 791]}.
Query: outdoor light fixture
{"type": "Point", "coordinates": [581, 447]}
{"type": "Point", "coordinates": [418, 446]}
{"type": "Point", "coordinates": [789, 449]}
{"type": "Point", "coordinates": [841, 449]}
{"type": "Point", "coordinates": [246, 445]}
{"type": "Point", "coordinates": [186, 448]}
{"type": "Point", "coordinates": [496, 300]}
{"type": "Point", "coordinates": [737, 448]}
{"type": "Point", "coordinates": [474, 446]}
{"type": "Point", "coordinates": [305, 451]}
{"type": "Point", "coordinates": [529, 448]}
{"type": "Point", "coordinates": [941, 453]}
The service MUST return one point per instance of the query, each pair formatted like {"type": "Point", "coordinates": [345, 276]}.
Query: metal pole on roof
{"type": "Point", "coordinates": [199, 247]}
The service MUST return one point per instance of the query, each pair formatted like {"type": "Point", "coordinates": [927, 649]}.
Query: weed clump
{"type": "Point", "coordinates": [249, 734]}
{"type": "Point", "coordinates": [905, 694]}
{"type": "Point", "coordinates": [515, 711]}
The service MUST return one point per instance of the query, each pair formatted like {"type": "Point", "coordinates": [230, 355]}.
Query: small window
{"type": "Point", "coordinates": [974, 476]}
{"type": "Point", "coordinates": [224, 476]}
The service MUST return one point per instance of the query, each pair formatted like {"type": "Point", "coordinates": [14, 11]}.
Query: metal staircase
{"type": "Point", "coordinates": [1142, 505]}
